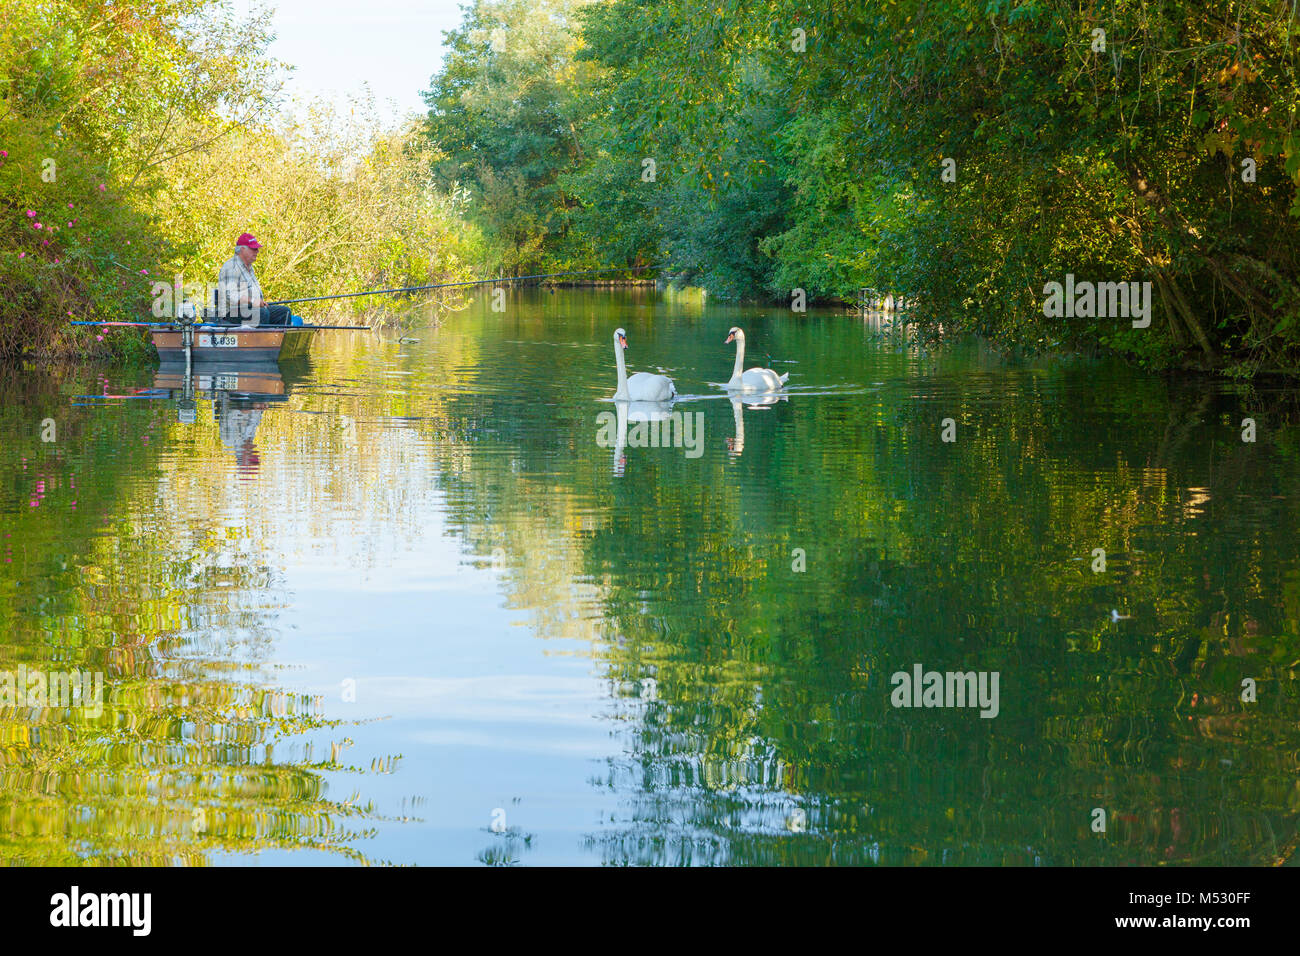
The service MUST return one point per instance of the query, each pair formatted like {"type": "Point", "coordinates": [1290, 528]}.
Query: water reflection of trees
{"type": "Point", "coordinates": [190, 754]}
{"type": "Point", "coordinates": [980, 569]}
{"type": "Point", "coordinates": [770, 690]}
{"type": "Point", "coordinates": [772, 687]}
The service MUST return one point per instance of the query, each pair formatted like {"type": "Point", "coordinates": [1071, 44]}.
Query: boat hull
{"type": "Point", "coordinates": [233, 345]}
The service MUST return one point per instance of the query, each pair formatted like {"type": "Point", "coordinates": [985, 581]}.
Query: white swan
{"type": "Point", "coordinates": [754, 379]}
{"type": "Point", "coordinates": [643, 386]}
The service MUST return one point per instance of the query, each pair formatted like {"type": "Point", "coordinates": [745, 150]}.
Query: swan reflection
{"type": "Point", "coordinates": [736, 445]}
{"type": "Point", "coordinates": [640, 414]}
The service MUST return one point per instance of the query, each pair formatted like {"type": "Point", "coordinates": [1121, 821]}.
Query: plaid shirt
{"type": "Point", "coordinates": [236, 285]}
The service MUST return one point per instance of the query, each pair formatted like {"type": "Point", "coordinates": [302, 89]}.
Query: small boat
{"type": "Point", "coordinates": [232, 344]}
{"type": "Point", "coordinates": [191, 341]}
{"type": "Point", "coordinates": [200, 342]}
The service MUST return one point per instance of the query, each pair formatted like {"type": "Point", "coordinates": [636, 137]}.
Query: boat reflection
{"type": "Point", "coordinates": [239, 396]}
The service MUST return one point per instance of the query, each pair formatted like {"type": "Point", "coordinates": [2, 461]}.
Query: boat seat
{"type": "Point", "coordinates": [210, 316]}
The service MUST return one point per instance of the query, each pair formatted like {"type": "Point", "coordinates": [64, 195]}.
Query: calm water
{"type": "Point", "coordinates": [424, 607]}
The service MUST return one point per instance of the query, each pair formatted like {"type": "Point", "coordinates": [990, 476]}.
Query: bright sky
{"type": "Point", "coordinates": [338, 45]}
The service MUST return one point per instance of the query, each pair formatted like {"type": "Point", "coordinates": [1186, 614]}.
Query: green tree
{"type": "Point", "coordinates": [504, 111]}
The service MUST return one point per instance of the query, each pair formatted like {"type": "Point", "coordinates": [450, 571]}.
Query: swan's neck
{"type": "Point", "coordinates": [740, 357]}
{"type": "Point", "coordinates": [622, 371]}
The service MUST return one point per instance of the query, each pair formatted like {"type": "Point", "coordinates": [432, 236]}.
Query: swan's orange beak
{"type": "Point", "coordinates": [622, 340]}
{"type": "Point", "coordinates": [731, 337]}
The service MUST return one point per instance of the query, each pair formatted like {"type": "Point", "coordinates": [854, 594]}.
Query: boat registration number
{"type": "Point", "coordinates": [217, 340]}
{"type": "Point", "coordinates": [219, 383]}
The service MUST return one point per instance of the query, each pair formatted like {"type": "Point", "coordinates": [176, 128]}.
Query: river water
{"type": "Point", "coordinates": [426, 599]}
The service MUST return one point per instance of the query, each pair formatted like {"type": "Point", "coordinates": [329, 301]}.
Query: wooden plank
{"type": "Point", "coordinates": [244, 339]}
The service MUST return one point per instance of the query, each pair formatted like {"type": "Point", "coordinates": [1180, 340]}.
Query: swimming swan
{"type": "Point", "coordinates": [754, 379]}
{"type": "Point", "coordinates": [643, 386]}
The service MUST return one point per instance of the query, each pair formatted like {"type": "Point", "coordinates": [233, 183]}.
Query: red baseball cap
{"type": "Point", "coordinates": [248, 239]}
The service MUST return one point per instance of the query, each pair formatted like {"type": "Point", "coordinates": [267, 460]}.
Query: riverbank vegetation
{"type": "Point", "coordinates": [138, 140]}
{"type": "Point", "coordinates": [959, 154]}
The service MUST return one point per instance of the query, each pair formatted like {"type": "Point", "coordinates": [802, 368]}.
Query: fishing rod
{"type": "Point", "coordinates": [351, 295]}
{"type": "Point", "coordinates": [232, 328]}
{"type": "Point", "coordinates": [450, 285]}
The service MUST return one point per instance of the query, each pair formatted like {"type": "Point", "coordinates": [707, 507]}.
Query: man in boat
{"type": "Point", "coordinates": [239, 295]}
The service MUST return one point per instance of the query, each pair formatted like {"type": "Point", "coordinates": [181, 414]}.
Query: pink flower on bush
{"type": "Point", "coordinates": [99, 338]}
{"type": "Point", "coordinates": [144, 272]}
{"type": "Point", "coordinates": [69, 224]}
{"type": "Point", "coordinates": [38, 225]}
{"type": "Point", "coordinates": [22, 255]}
{"type": "Point", "coordinates": [101, 187]}
{"type": "Point", "coordinates": [69, 205]}
{"type": "Point", "coordinates": [31, 213]}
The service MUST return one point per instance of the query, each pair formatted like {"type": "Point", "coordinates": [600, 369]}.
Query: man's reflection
{"type": "Point", "coordinates": [239, 397]}
{"type": "Point", "coordinates": [237, 421]}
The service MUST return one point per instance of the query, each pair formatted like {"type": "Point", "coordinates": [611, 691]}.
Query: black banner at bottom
{"type": "Point", "coordinates": [226, 905]}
